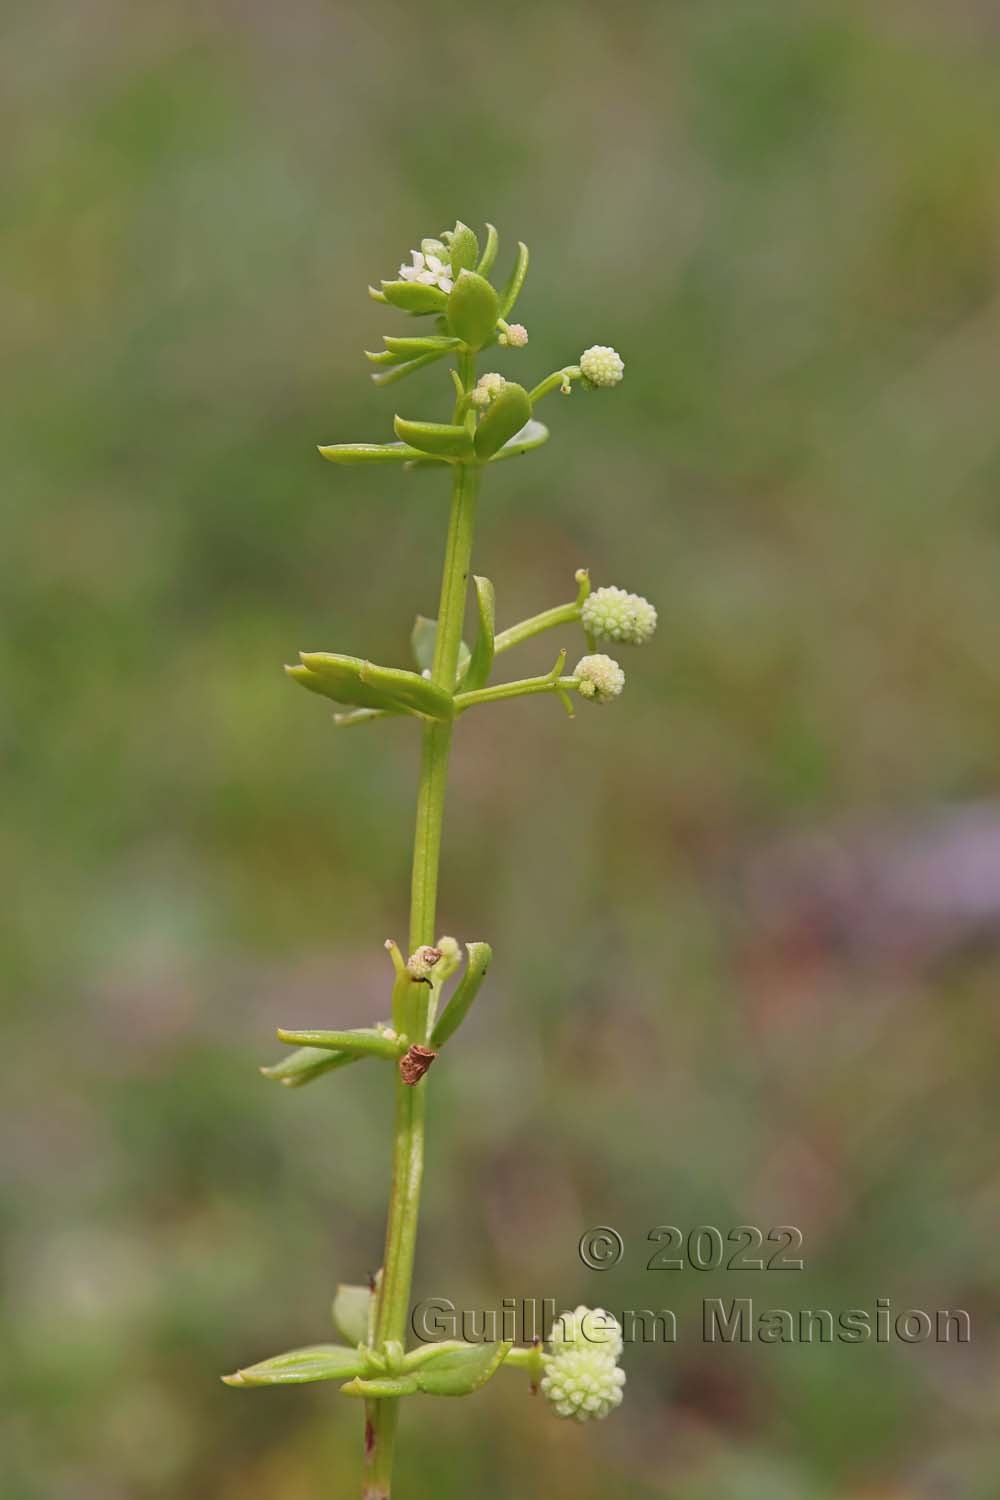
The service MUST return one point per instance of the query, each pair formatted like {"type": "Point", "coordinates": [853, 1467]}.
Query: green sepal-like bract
{"type": "Point", "coordinates": [352, 1312]}
{"type": "Point", "coordinates": [503, 420]}
{"type": "Point", "coordinates": [473, 310]}
{"type": "Point", "coordinates": [347, 679]}
{"type": "Point", "coordinates": [481, 660]}
{"type": "Point", "coordinates": [439, 439]}
{"type": "Point", "coordinates": [299, 1366]}
{"type": "Point", "coordinates": [423, 639]}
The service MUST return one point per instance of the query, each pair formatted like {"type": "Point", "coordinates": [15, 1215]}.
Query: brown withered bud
{"type": "Point", "coordinates": [414, 1064]}
{"type": "Point", "coordinates": [420, 963]}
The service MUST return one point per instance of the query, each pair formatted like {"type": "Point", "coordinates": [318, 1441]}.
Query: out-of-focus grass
{"type": "Point", "coordinates": [785, 217]}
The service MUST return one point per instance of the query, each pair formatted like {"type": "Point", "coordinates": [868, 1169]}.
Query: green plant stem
{"type": "Point", "coordinates": [549, 619]}
{"type": "Point", "coordinates": [408, 1149]}
{"type": "Point", "coordinates": [519, 689]}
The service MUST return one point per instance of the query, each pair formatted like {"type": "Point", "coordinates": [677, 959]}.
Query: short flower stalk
{"type": "Point", "coordinates": [436, 980]}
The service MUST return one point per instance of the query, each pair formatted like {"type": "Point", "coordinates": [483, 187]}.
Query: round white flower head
{"type": "Point", "coordinates": [429, 270]}
{"type": "Point", "coordinates": [613, 614]}
{"type": "Point", "coordinates": [600, 678]}
{"type": "Point", "coordinates": [587, 1328]}
{"type": "Point", "coordinates": [602, 365]}
{"type": "Point", "coordinates": [516, 336]}
{"type": "Point", "coordinates": [583, 1384]}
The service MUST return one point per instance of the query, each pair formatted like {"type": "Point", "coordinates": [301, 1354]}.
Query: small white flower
{"type": "Point", "coordinates": [491, 383]}
{"type": "Point", "coordinates": [429, 270]}
{"type": "Point", "coordinates": [515, 337]}
{"type": "Point", "coordinates": [613, 614]}
{"type": "Point", "coordinates": [600, 678]}
{"type": "Point", "coordinates": [602, 365]}
{"type": "Point", "coordinates": [583, 1384]}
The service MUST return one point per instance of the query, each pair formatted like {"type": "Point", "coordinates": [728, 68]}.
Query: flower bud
{"type": "Point", "coordinates": [612, 614]}
{"type": "Point", "coordinates": [515, 337]}
{"type": "Point", "coordinates": [599, 678]}
{"type": "Point", "coordinates": [449, 949]}
{"type": "Point", "coordinates": [583, 1384]}
{"type": "Point", "coordinates": [602, 365]}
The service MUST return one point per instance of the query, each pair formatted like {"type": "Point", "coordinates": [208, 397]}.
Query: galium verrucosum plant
{"type": "Point", "coordinates": [492, 419]}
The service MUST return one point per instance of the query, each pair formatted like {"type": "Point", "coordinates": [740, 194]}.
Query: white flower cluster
{"type": "Point", "coordinates": [599, 678]}
{"type": "Point", "coordinates": [612, 614]}
{"type": "Point", "coordinates": [487, 387]}
{"type": "Point", "coordinates": [429, 268]}
{"type": "Point", "coordinates": [515, 336]}
{"type": "Point", "coordinates": [602, 365]}
{"type": "Point", "coordinates": [582, 1379]}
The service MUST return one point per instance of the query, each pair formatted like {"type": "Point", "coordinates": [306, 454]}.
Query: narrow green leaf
{"type": "Point", "coordinates": [366, 1041]}
{"type": "Point", "coordinates": [306, 1064]}
{"type": "Point", "coordinates": [340, 684]}
{"type": "Point", "coordinates": [364, 684]}
{"type": "Point", "coordinates": [409, 690]}
{"type": "Point", "coordinates": [503, 419]}
{"type": "Point", "coordinates": [382, 1387]}
{"type": "Point", "coordinates": [490, 252]}
{"type": "Point", "coordinates": [351, 1309]}
{"type": "Point", "coordinates": [414, 346]}
{"type": "Point", "coordinates": [463, 247]}
{"type": "Point", "coordinates": [299, 1366]}
{"type": "Point", "coordinates": [473, 310]}
{"type": "Point", "coordinates": [440, 439]}
{"type": "Point", "coordinates": [451, 1018]}
{"type": "Point", "coordinates": [363, 716]}
{"type": "Point", "coordinates": [368, 453]}
{"type": "Point", "coordinates": [459, 1372]}
{"type": "Point", "coordinates": [532, 435]}
{"type": "Point", "coordinates": [482, 652]}
{"type": "Point", "coordinates": [512, 290]}
{"type": "Point", "coordinates": [411, 366]}
{"type": "Point", "coordinates": [414, 296]}
{"type": "Point", "coordinates": [382, 357]}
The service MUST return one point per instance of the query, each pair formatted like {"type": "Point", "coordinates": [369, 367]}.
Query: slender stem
{"type": "Point", "coordinates": [561, 614]}
{"type": "Point", "coordinates": [558, 380]}
{"type": "Point", "coordinates": [408, 1150]}
{"type": "Point", "coordinates": [521, 689]}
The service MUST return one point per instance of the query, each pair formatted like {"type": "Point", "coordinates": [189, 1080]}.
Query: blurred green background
{"type": "Point", "coordinates": [747, 923]}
